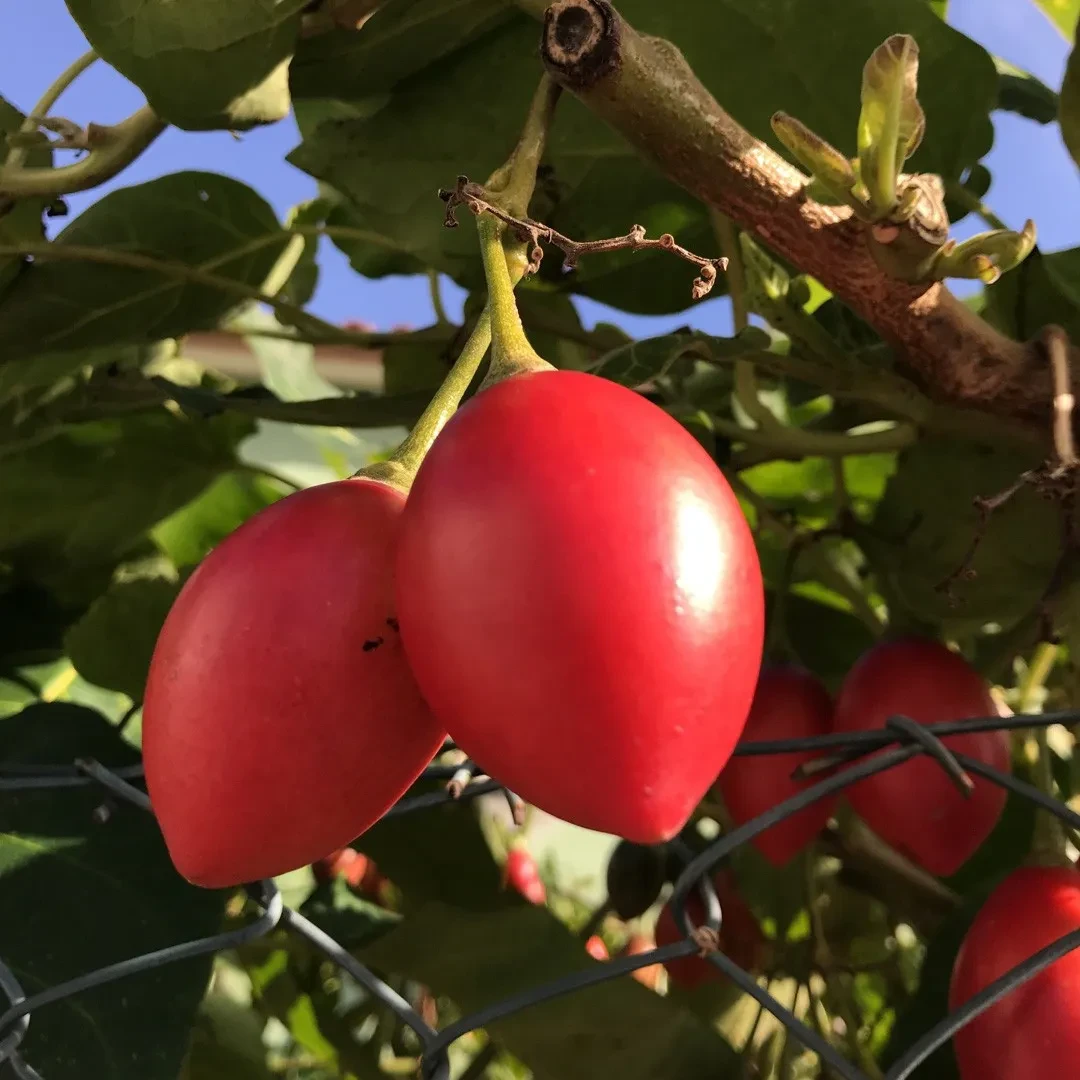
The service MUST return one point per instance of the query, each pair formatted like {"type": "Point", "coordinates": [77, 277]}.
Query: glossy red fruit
{"type": "Point", "coordinates": [596, 948]}
{"type": "Point", "coordinates": [281, 718]}
{"type": "Point", "coordinates": [1033, 1033]}
{"type": "Point", "coordinates": [789, 703]}
{"type": "Point", "coordinates": [915, 806]}
{"type": "Point", "coordinates": [521, 873]}
{"type": "Point", "coordinates": [581, 601]}
{"type": "Point", "coordinates": [740, 935]}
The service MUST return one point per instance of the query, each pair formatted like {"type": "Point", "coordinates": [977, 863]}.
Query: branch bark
{"type": "Point", "coordinates": [644, 88]}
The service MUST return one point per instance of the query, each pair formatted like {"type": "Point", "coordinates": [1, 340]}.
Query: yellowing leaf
{"type": "Point", "coordinates": [892, 121]}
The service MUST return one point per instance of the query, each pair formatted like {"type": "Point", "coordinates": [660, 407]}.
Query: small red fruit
{"type": "Point", "coordinates": [647, 976]}
{"type": "Point", "coordinates": [596, 948]}
{"type": "Point", "coordinates": [281, 719]}
{"type": "Point", "coordinates": [346, 863]}
{"type": "Point", "coordinates": [915, 806]}
{"type": "Point", "coordinates": [1033, 1033]}
{"type": "Point", "coordinates": [790, 703]}
{"type": "Point", "coordinates": [581, 601]}
{"type": "Point", "coordinates": [521, 872]}
{"type": "Point", "coordinates": [740, 935]}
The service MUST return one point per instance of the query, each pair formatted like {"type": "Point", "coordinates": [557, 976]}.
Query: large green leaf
{"type": "Point", "coordinates": [924, 526]}
{"type": "Point", "coordinates": [23, 381]}
{"type": "Point", "coordinates": [188, 534]}
{"type": "Point", "coordinates": [1069, 105]}
{"type": "Point", "coordinates": [22, 221]}
{"type": "Point", "coordinates": [436, 854]}
{"type": "Point", "coordinates": [111, 645]}
{"type": "Point", "coordinates": [77, 894]}
{"type": "Point", "coordinates": [75, 506]}
{"type": "Point", "coordinates": [202, 64]}
{"type": "Point", "coordinates": [1042, 289]}
{"type": "Point", "coordinates": [615, 1029]}
{"type": "Point", "coordinates": [197, 219]}
{"type": "Point", "coordinates": [444, 119]}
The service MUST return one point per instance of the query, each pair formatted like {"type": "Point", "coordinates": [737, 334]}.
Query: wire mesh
{"type": "Point", "coordinates": [844, 760]}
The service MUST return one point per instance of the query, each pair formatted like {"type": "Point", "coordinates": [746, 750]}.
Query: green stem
{"type": "Point", "coordinates": [972, 203]}
{"type": "Point", "coordinates": [401, 467]}
{"type": "Point", "coordinates": [441, 318]}
{"type": "Point", "coordinates": [795, 442]}
{"type": "Point", "coordinates": [17, 154]}
{"type": "Point", "coordinates": [746, 386]}
{"type": "Point", "coordinates": [512, 184]}
{"type": "Point", "coordinates": [511, 353]}
{"type": "Point", "coordinates": [1048, 844]}
{"type": "Point", "coordinates": [113, 149]}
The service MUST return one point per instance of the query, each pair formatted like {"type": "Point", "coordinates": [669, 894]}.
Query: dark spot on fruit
{"type": "Point", "coordinates": [374, 643]}
{"type": "Point", "coordinates": [393, 624]}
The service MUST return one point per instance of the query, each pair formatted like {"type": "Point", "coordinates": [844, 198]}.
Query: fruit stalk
{"type": "Point", "coordinates": [511, 185]}
{"type": "Point", "coordinates": [511, 353]}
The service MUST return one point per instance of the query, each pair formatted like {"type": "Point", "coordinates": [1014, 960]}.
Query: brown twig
{"type": "Point", "coordinates": [1056, 343]}
{"type": "Point", "coordinates": [473, 196]}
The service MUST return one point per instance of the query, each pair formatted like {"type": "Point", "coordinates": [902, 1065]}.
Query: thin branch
{"type": "Point", "coordinates": [643, 87]}
{"type": "Point", "coordinates": [17, 154]}
{"type": "Point", "coordinates": [973, 204]}
{"type": "Point", "coordinates": [1056, 343]}
{"type": "Point", "coordinates": [113, 148]}
{"type": "Point", "coordinates": [475, 198]}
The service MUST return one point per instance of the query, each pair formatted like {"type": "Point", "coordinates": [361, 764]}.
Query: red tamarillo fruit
{"type": "Point", "coordinates": [581, 601]}
{"type": "Point", "coordinates": [1033, 1032]}
{"type": "Point", "coordinates": [281, 719]}
{"type": "Point", "coordinates": [915, 806]}
{"type": "Point", "coordinates": [790, 703]}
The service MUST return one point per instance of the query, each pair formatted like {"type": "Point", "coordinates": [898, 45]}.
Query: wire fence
{"type": "Point", "coordinates": [845, 759]}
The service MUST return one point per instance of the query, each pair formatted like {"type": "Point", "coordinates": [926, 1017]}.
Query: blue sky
{"type": "Point", "coordinates": [1032, 173]}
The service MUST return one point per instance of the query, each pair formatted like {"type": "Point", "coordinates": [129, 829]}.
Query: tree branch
{"type": "Point", "coordinates": [644, 88]}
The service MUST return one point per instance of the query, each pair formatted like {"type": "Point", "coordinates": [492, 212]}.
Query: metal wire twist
{"type": "Point", "coordinates": [845, 759]}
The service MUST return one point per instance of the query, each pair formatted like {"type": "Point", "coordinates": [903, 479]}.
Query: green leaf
{"type": "Point", "coordinates": [441, 120]}
{"type": "Point", "coordinates": [826, 640]}
{"type": "Point", "coordinates": [639, 362]}
{"type": "Point", "coordinates": [1062, 13]}
{"type": "Point", "coordinates": [21, 222]}
{"type": "Point", "coordinates": [56, 306]}
{"type": "Point", "coordinates": [1020, 92]}
{"type": "Point", "coordinates": [1043, 289]}
{"type": "Point", "coordinates": [615, 1029]}
{"type": "Point", "coordinates": [74, 507]}
{"type": "Point", "coordinates": [892, 122]}
{"type": "Point", "coordinates": [84, 894]}
{"type": "Point", "coordinates": [436, 854]}
{"type": "Point", "coordinates": [302, 282]}
{"type": "Point", "coordinates": [1069, 105]}
{"type": "Point", "coordinates": [924, 526]}
{"type": "Point", "coordinates": [349, 919]}
{"type": "Point", "coordinates": [201, 64]}
{"type": "Point", "coordinates": [400, 39]}
{"type": "Point", "coordinates": [226, 1043]}
{"type": "Point", "coordinates": [287, 367]}
{"type": "Point", "coordinates": [111, 645]}
{"type": "Point", "coordinates": [24, 381]}
{"type": "Point", "coordinates": [189, 534]}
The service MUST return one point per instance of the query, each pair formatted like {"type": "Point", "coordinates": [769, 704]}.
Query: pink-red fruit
{"type": "Point", "coordinates": [522, 874]}
{"type": "Point", "coordinates": [581, 601]}
{"type": "Point", "coordinates": [1033, 1032]}
{"type": "Point", "coordinates": [281, 719]}
{"type": "Point", "coordinates": [790, 703]}
{"type": "Point", "coordinates": [915, 806]}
